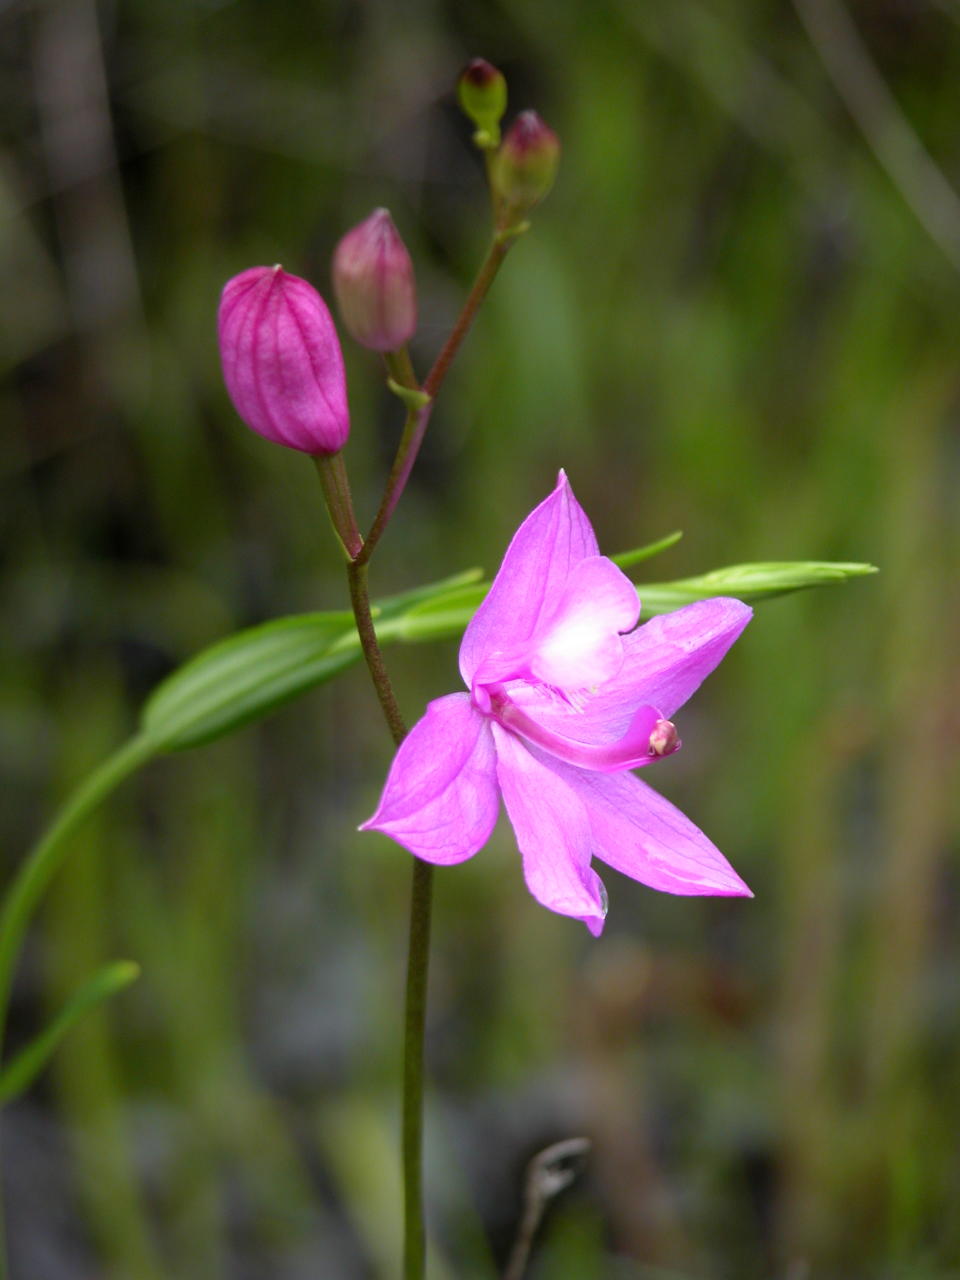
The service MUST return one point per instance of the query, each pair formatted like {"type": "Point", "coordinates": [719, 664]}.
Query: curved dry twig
{"type": "Point", "coordinates": [548, 1173]}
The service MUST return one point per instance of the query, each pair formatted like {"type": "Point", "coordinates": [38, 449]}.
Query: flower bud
{"type": "Point", "coordinates": [482, 93]}
{"type": "Point", "coordinates": [525, 166]}
{"type": "Point", "coordinates": [373, 281]}
{"type": "Point", "coordinates": [282, 361]}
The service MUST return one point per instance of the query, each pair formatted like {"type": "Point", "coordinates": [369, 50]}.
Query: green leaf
{"type": "Point", "coordinates": [438, 618]}
{"type": "Point", "coordinates": [30, 1061]}
{"type": "Point", "coordinates": [747, 582]}
{"type": "Point", "coordinates": [406, 600]}
{"type": "Point", "coordinates": [626, 558]}
{"type": "Point", "coordinates": [245, 676]}
{"type": "Point", "coordinates": [249, 674]}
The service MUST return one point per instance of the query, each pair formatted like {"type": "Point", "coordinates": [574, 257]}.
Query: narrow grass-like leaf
{"type": "Point", "coordinates": [249, 674]}
{"type": "Point", "coordinates": [392, 606]}
{"type": "Point", "coordinates": [30, 1061]}
{"type": "Point", "coordinates": [439, 617]}
{"type": "Point", "coordinates": [748, 582]}
{"type": "Point", "coordinates": [243, 677]}
{"type": "Point", "coordinates": [626, 558]}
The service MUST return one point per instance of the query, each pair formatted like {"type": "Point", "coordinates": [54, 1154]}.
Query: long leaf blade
{"type": "Point", "coordinates": [251, 673]}
{"type": "Point", "coordinates": [243, 677]}
{"type": "Point", "coordinates": [748, 582]}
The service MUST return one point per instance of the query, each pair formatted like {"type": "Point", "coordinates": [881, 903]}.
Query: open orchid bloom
{"type": "Point", "coordinates": [566, 698]}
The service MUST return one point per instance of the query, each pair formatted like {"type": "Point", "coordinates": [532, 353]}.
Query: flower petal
{"type": "Point", "coordinates": [664, 662]}
{"type": "Point", "coordinates": [668, 658]}
{"type": "Point", "coordinates": [579, 644]}
{"type": "Point", "coordinates": [440, 799]}
{"type": "Point", "coordinates": [553, 832]}
{"type": "Point", "coordinates": [554, 538]}
{"type": "Point", "coordinates": [636, 831]}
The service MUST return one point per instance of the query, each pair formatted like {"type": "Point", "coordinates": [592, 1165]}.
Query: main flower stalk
{"type": "Point", "coordinates": [358, 551]}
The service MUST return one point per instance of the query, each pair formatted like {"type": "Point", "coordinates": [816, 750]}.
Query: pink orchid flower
{"type": "Point", "coordinates": [566, 698]}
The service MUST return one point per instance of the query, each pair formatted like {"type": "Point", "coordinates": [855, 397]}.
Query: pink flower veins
{"type": "Point", "coordinates": [282, 361]}
{"type": "Point", "coordinates": [566, 697]}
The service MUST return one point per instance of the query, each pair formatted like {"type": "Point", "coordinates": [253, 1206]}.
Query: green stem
{"type": "Point", "coordinates": [337, 491]}
{"type": "Point", "coordinates": [339, 500]}
{"type": "Point", "coordinates": [360, 599]}
{"type": "Point", "coordinates": [339, 503]}
{"type": "Point", "coordinates": [481, 286]}
{"type": "Point", "coordinates": [417, 421]}
{"type": "Point", "coordinates": [400, 367]}
{"type": "Point", "coordinates": [36, 871]}
{"type": "Point", "coordinates": [418, 960]}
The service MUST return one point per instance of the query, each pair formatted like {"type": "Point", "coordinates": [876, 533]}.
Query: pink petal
{"type": "Point", "coordinates": [440, 799]}
{"type": "Point", "coordinates": [668, 658]}
{"type": "Point", "coordinates": [664, 662]}
{"type": "Point", "coordinates": [579, 644]}
{"type": "Point", "coordinates": [636, 831]}
{"type": "Point", "coordinates": [553, 832]}
{"type": "Point", "coordinates": [554, 538]}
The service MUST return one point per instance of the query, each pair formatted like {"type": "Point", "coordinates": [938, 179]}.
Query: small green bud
{"type": "Point", "coordinates": [482, 92]}
{"type": "Point", "coordinates": [525, 167]}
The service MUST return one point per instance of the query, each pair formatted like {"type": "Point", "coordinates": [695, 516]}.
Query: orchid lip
{"type": "Point", "coordinates": [631, 751]}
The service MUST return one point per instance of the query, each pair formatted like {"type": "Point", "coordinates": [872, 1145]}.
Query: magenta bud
{"type": "Point", "coordinates": [526, 164]}
{"type": "Point", "coordinates": [482, 93]}
{"type": "Point", "coordinates": [373, 281]}
{"type": "Point", "coordinates": [282, 361]}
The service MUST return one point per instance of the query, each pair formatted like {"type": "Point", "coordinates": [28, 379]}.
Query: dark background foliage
{"type": "Point", "coordinates": [738, 315]}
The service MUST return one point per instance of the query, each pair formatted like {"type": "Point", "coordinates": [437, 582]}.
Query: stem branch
{"type": "Point", "coordinates": [417, 420]}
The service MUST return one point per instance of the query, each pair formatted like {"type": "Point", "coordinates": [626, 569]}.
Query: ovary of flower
{"type": "Point", "coordinates": [567, 696]}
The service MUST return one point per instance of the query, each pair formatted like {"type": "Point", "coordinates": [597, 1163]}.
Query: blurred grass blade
{"type": "Point", "coordinates": [748, 582]}
{"type": "Point", "coordinates": [626, 558]}
{"type": "Point", "coordinates": [30, 1061]}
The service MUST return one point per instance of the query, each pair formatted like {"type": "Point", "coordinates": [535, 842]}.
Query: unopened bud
{"type": "Point", "coordinates": [282, 361]}
{"type": "Point", "coordinates": [525, 166]}
{"type": "Point", "coordinates": [374, 284]}
{"type": "Point", "coordinates": [664, 739]}
{"type": "Point", "coordinates": [482, 92]}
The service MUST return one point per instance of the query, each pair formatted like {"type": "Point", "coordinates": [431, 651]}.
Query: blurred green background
{"type": "Point", "coordinates": [738, 315]}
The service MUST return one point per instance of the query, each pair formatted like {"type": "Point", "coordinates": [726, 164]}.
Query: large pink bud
{"type": "Point", "coordinates": [282, 361]}
{"type": "Point", "coordinates": [373, 281]}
